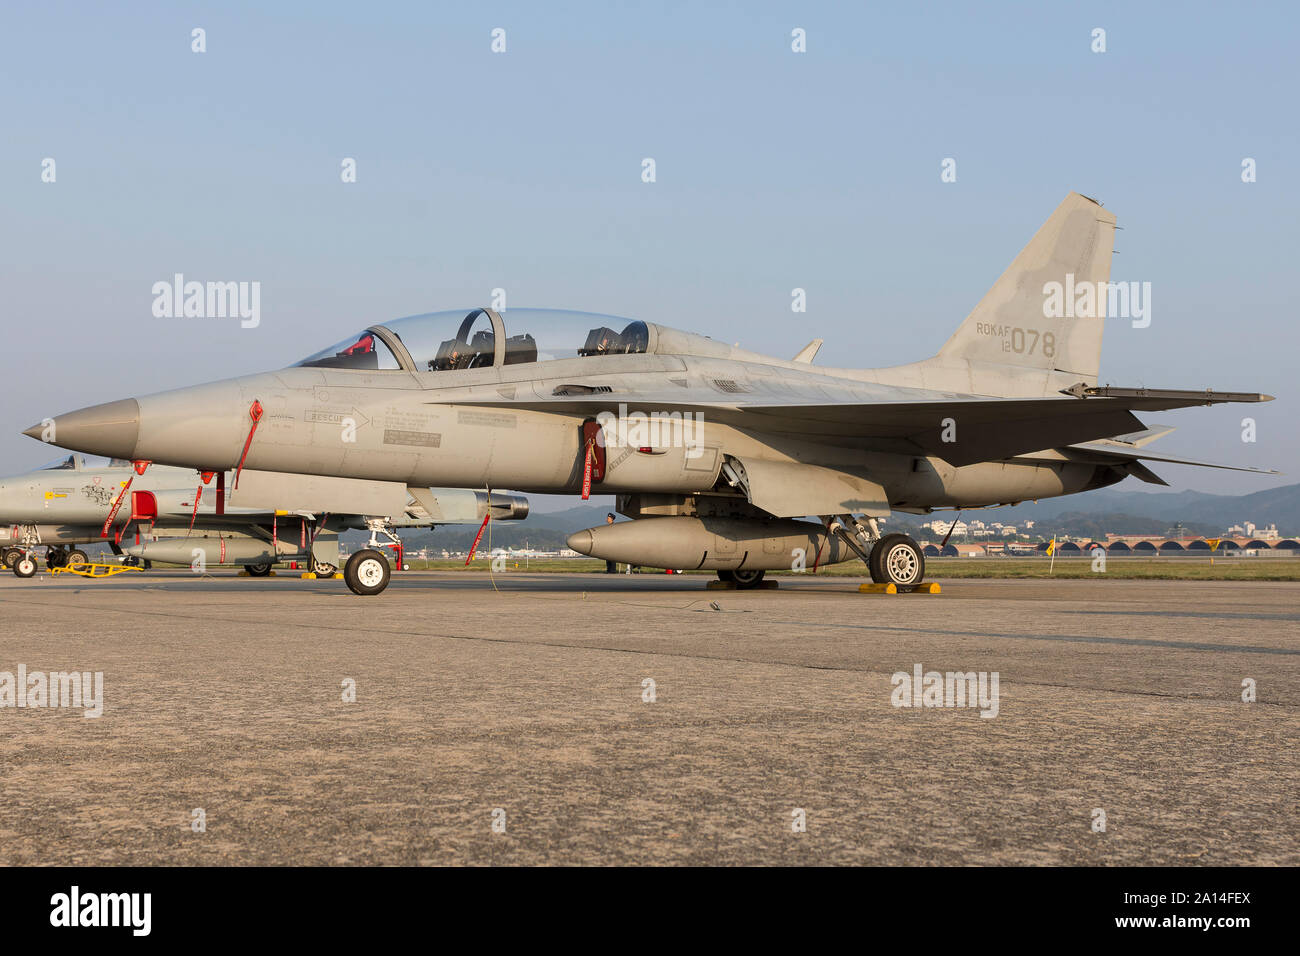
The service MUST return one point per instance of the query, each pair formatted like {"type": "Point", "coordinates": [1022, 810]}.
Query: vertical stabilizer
{"type": "Point", "coordinates": [1047, 310]}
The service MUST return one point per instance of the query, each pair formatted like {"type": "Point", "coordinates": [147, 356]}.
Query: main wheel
{"type": "Point", "coordinates": [367, 572]}
{"type": "Point", "coordinates": [323, 570]}
{"type": "Point", "coordinates": [55, 558]}
{"type": "Point", "coordinates": [25, 566]}
{"type": "Point", "coordinates": [896, 559]}
{"type": "Point", "coordinates": [10, 557]}
{"type": "Point", "coordinates": [747, 578]}
{"type": "Point", "coordinates": [259, 570]}
{"type": "Point", "coordinates": [77, 557]}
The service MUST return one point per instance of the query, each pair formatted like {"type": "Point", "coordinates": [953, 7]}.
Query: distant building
{"type": "Point", "coordinates": [1248, 529]}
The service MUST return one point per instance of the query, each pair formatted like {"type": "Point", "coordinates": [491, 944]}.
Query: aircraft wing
{"type": "Point", "coordinates": [980, 428]}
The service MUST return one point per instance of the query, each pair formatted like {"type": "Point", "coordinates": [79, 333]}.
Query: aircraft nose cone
{"type": "Point", "coordinates": [111, 429]}
{"type": "Point", "coordinates": [580, 541]}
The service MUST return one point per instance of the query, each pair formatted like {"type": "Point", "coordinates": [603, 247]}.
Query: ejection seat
{"type": "Point", "coordinates": [601, 341]}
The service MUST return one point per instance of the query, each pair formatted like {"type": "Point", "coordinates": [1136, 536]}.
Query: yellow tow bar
{"type": "Point", "coordinates": [94, 570]}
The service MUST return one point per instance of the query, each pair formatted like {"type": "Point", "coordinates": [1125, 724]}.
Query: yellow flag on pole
{"type": "Point", "coordinates": [1051, 547]}
{"type": "Point", "coordinates": [1214, 543]}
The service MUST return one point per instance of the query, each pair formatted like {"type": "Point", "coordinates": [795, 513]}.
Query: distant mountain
{"type": "Point", "coordinates": [1194, 509]}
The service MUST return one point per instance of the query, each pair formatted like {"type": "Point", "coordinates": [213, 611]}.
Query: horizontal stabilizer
{"type": "Point", "coordinates": [1103, 451]}
{"type": "Point", "coordinates": [1143, 473]}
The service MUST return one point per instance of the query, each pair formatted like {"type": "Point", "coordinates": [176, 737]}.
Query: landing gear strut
{"type": "Point", "coordinates": [378, 526]}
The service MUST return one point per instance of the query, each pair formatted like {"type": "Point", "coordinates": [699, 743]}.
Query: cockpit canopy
{"type": "Point", "coordinates": [481, 338]}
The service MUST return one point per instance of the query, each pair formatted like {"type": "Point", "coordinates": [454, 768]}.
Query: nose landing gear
{"type": "Point", "coordinates": [367, 572]}
{"type": "Point", "coordinates": [25, 566]}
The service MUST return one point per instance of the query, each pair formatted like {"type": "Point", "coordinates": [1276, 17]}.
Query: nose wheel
{"type": "Point", "coordinates": [367, 572]}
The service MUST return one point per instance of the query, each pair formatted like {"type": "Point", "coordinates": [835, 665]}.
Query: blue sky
{"type": "Point", "coordinates": [522, 170]}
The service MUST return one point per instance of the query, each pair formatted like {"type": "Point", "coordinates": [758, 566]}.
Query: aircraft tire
{"type": "Point", "coordinates": [25, 566]}
{"type": "Point", "coordinates": [76, 557]}
{"type": "Point", "coordinates": [873, 563]}
{"type": "Point", "coordinates": [259, 570]}
{"type": "Point", "coordinates": [55, 558]}
{"type": "Point", "coordinates": [10, 557]}
{"type": "Point", "coordinates": [747, 578]}
{"type": "Point", "coordinates": [896, 559]}
{"type": "Point", "coordinates": [726, 577]}
{"type": "Point", "coordinates": [367, 572]}
{"type": "Point", "coordinates": [323, 570]}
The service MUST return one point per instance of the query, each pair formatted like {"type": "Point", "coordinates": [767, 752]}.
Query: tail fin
{"type": "Point", "coordinates": [1024, 322]}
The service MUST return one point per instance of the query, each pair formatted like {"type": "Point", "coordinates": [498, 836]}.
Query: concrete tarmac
{"type": "Point", "coordinates": [523, 701]}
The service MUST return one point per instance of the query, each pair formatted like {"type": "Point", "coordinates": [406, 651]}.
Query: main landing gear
{"type": "Point", "coordinates": [742, 579]}
{"type": "Point", "coordinates": [896, 559]}
{"type": "Point", "coordinates": [323, 570]}
{"type": "Point", "coordinates": [893, 559]}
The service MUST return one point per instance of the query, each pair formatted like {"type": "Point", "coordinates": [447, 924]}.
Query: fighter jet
{"type": "Point", "coordinates": [167, 514]}
{"type": "Point", "coordinates": [718, 454]}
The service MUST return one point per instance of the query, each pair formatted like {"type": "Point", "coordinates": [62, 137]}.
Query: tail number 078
{"type": "Point", "coordinates": [1028, 341]}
